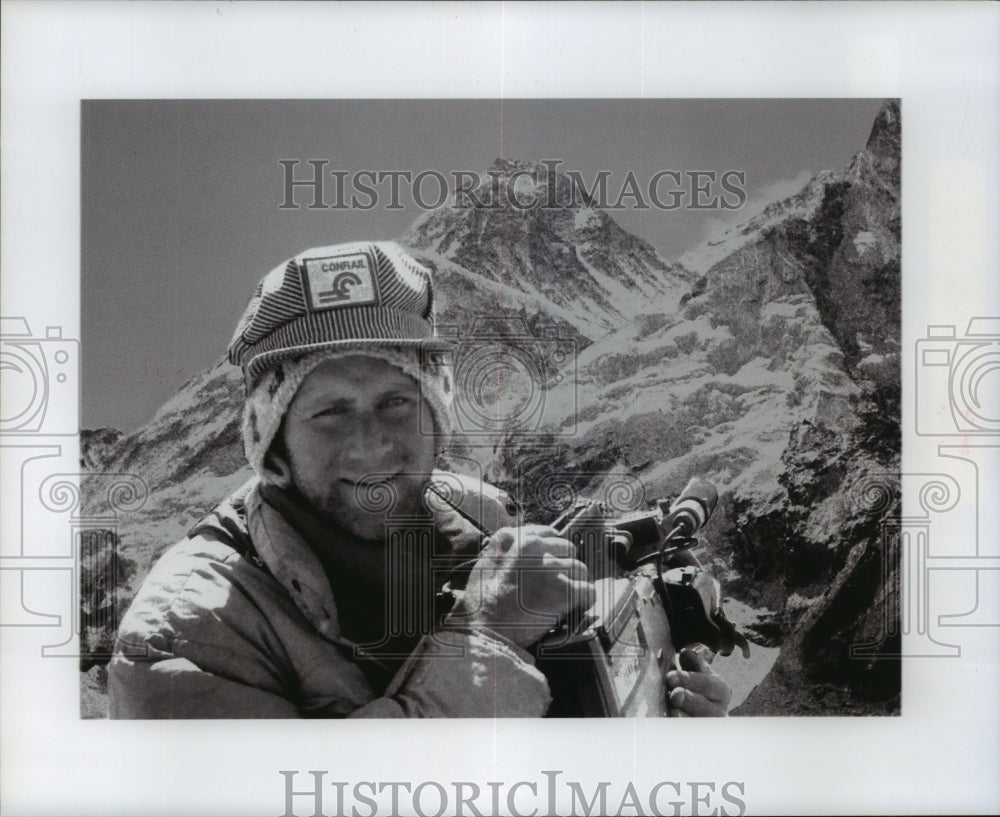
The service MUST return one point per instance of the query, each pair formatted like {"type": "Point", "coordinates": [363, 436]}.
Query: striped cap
{"type": "Point", "coordinates": [356, 295]}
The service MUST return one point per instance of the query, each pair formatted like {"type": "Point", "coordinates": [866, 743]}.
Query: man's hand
{"type": "Point", "coordinates": [696, 690]}
{"type": "Point", "coordinates": [524, 584]}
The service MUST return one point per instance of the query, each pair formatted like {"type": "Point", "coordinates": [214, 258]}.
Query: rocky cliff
{"type": "Point", "coordinates": [777, 378]}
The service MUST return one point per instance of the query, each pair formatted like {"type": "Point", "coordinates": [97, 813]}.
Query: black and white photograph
{"type": "Point", "coordinates": [431, 408]}
{"type": "Point", "coordinates": [659, 368]}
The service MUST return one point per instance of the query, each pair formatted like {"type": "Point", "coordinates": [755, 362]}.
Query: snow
{"type": "Point", "coordinates": [719, 246]}
{"type": "Point", "coordinates": [759, 372]}
{"type": "Point", "coordinates": [528, 297]}
{"type": "Point", "coordinates": [873, 360]}
{"type": "Point", "coordinates": [864, 241]}
{"type": "Point", "coordinates": [586, 218]}
{"type": "Point", "coordinates": [797, 305]}
{"type": "Point", "coordinates": [525, 189]}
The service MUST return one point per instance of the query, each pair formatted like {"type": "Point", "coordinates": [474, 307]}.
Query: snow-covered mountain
{"type": "Point", "coordinates": [769, 364]}
{"type": "Point", "coordinates": [778, 379]}
{"type": "Point", "coordinates": [797, 321]}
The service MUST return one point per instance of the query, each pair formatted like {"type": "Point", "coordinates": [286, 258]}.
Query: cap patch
{"type": "Point", "coordinates": [339, 280]}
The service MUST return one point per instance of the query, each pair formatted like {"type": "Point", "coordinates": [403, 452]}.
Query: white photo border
{"type": "Point", "coordinates": [941, 60]}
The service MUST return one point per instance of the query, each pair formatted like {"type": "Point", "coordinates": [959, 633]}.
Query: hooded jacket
{"type": "Point", "coordinates": [238, 620]}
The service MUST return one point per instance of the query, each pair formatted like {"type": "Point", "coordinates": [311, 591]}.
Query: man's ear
{"type": "Point", "coordinates": [277, 471]}
{"type": "Point", "coordinates": [442, 442]}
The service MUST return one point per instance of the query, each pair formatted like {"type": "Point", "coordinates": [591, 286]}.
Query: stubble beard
{"type": "Point", "coordinates": [364, 509]}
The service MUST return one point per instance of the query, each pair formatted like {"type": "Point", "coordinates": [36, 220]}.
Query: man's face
{"type": "Point", "coordinates": [353, 431]}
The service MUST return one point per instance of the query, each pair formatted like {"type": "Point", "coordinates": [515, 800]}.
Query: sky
{"type": "Point", "coordinates": [181, 199]}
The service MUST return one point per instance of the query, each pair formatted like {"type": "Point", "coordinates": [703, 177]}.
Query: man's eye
{"type": "Point", "coordinates": [397, 401]}
{"type": "Point", "coordinates": [331, 411]}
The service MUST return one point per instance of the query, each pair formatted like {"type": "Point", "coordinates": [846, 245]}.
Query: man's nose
{"type": "Point", "coordinates": [371, 444]}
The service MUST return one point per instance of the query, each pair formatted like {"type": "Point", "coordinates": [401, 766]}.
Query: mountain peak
{"type": "Point", "coordinates": [524, 185]}
{"type": "Point", "coordinates": [884, 138]}
{"type": "Point", "coordinates": [528, 228]}
{"type": "Point", "coordinates": [503, 164]}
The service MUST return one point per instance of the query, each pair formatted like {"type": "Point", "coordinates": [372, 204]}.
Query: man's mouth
{"type": "Point", "coordinates": [369, 481]}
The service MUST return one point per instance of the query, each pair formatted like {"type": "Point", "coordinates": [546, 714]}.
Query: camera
{"type": "Point", "coordinates": [652, 599]}
{"type": "Point", "coordinates": [958, 380]}
{"type": "Point", "coordinates": [511, 380]}
{"type": "Point", "coordinates": [39, 394]}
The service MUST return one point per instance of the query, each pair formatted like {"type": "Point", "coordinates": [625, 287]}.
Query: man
{"type": "Point", "coordinates": [315, 590]}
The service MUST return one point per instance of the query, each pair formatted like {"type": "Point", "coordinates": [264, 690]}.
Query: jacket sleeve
{"type": "Point", "coordinates": [458, 674]}
{"type": "Point", "coordinates": [210, 636]}
{"type": "Point", "coordinates": [177, 688]}
{"type": "Point", "coordinates": [464, 674]}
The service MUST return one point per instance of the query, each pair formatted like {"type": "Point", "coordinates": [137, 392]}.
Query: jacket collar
{"type": "Point", "coordinates": [463, 508]}
{"type": "Point", "coordinates": [295, 565]}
